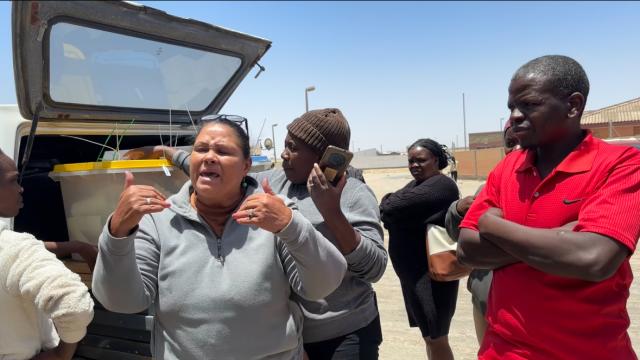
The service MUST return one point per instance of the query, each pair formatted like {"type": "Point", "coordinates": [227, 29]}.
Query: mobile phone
{"type": "Point", "coordinates": [334, 163]}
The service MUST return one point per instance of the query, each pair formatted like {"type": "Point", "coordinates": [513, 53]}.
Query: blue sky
{"type": "Point", "coordinates": [398, 69]}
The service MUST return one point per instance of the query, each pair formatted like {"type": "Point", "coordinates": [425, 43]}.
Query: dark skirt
{"type": "Point", "coordinates": [430, 304]}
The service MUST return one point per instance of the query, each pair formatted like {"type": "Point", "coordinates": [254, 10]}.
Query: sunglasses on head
{"type": "Point", "coordinates": [241, 121]}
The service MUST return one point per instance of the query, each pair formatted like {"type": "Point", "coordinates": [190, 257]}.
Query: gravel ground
{"type": "Point", "coordinates": [400, 341]}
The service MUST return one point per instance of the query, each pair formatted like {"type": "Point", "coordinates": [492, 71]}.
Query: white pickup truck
{"type": "Point", "coordinates": [92, 75]}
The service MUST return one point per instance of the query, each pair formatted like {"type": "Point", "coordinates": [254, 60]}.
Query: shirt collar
{"type": "Point", "coordinates": [580, 159]}
{"type": "Point", "coordinates": [527, 163]}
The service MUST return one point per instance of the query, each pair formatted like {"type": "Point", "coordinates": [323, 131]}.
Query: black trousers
{"type": "Point", "coordinates": [361, 344]}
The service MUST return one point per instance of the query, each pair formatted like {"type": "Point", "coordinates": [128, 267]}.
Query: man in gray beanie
{"type": "Point", "coordinates": [344, 325]}
{"type": "Point", "coordinates": [320, 128]}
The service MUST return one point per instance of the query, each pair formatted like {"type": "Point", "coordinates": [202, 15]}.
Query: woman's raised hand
{"type": "Point", "coordinates": [325, 196]}
{"type": "Point", "coordinates": [266, 210]}
{"type": "Point", "coordinates": [135, 201]}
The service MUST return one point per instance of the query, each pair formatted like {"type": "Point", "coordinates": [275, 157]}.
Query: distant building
{"type": "Point", "coordinates": [485, 140]}
{"type": "Point", "coordinates": [366, 152]}
{"type": "Point", "coordinates": [617, 120]}
{"type": "Point", "coordinates": [373, 159]}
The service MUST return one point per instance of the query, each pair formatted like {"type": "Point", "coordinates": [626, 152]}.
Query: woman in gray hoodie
{"type": "Point", "coordinates": [218, 261]}
{"type": "Point", "coordinates": [345, 324]}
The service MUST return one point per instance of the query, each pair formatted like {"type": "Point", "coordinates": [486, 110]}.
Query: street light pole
{"type": "Point", "coordinates": [273, 137]}
{"type": "Point", "coordinates": [306, 97]}
{"type": "Point", "coordinates": [464, 122]}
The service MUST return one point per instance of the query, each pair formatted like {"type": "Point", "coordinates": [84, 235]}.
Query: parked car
{"type": "Point", "coordinates": [92, 76]}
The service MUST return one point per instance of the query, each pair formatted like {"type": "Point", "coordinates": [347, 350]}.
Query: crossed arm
{"type": "Point", "coordinates": [560, 251]}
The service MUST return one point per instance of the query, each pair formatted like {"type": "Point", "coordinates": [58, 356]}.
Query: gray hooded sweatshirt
{"type": "Point", "coordinates": [352, 306]}
{"type": "Point", "coordinates": [217, 298]}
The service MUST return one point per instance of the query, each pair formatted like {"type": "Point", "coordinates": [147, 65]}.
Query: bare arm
{"type": "Point", "coordinates": [150, 152]}
{"type": "Point", "coordinates": [178, 157]}
{"type": "Point", "coordinates": [88, 252]}
{"type": "Point", "coordinates": [64, 351]}
{"type": "Point", "coordinates": [353, 219]}
{"type": "Point", "coordinates": [346, 236]}
{"type": "Point", "coordinates": [326, 197]}
{"type": "Point", "coordinates": [561, 252]}
{"type": "Point", "coordinates": [474, 250]}
{"type": "Point", "coordinates": [359, 208]}
{"type": "Point", "coordinates": [477, 252]}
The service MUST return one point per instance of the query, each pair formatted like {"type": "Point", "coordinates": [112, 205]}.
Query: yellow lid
{"type": "Point", "coordinates": [111, 165]}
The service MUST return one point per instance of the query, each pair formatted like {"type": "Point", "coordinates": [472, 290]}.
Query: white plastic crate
{"type": "Point", "coordinates": [91, 191]}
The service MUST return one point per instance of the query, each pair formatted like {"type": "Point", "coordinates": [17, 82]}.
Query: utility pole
{"type": "Point", "coordinates": [464, 122]}
{"type": "Point", "coordinates": [610, 129]}
{"type": "Point", "coordinates": [273, 137]}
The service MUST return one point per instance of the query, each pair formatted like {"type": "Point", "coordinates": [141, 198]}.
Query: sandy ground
{"type": "Point", "coordinates": [402, 342]}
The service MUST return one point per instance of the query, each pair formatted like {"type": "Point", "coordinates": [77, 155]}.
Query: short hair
{"type": "Point", "coordinates": [435, 149]}
{"type": "Point", "coordinates": [566, 76]}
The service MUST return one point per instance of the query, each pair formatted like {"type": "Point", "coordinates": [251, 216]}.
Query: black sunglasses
{"type": "Point", "coordinates": [241, 121]}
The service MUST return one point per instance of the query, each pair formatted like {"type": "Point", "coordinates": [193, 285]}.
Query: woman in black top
{"type": "Point", "coordinates": [430, 304]}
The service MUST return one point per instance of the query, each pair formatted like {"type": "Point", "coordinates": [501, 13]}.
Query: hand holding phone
{"type": "Point", "coordinates": [334, 163]}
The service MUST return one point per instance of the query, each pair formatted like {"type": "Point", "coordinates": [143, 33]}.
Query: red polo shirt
{"type": "Point", "coordinates": [534, 315]}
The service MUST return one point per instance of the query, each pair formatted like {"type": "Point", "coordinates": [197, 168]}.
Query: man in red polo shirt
{"type": "Point", "coordinates": [558, 222]}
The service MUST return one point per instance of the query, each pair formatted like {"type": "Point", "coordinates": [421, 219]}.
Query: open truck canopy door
{"type": "Point", "coordinates": [81, 66]}
{"type": "Point", "coordinates": [119, 61]}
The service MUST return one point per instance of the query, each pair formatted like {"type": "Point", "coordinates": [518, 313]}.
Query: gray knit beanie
{"type": "Point", "coordinates": [321, 128]}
